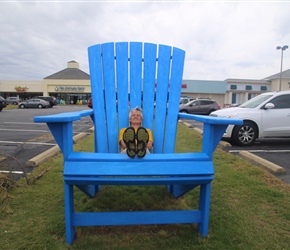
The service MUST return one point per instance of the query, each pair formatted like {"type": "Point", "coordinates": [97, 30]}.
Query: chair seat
{"type": "Point", "coordinates": [119, 165]}
{"type": "Point", "coordinates": [152, 169]}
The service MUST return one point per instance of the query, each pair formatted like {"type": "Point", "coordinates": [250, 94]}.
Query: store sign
{"type": "Point", "coordinates": [21, 88]}
{"type": "Point", "coordinates": [70, 88]}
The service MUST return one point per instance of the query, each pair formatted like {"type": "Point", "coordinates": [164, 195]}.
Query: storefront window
{"type": "Point", "coordinates": [81, 99]}
{"type": "Point", "coordinates": [263, 87]}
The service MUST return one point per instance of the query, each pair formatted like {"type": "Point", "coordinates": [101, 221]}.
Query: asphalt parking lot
{"type": "Point", "coordinates": [21, 139]}
{"type": "Point", "coordinates": [261, 153]}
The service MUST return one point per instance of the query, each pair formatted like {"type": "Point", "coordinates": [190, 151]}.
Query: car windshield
{"type": "Point", "coordinates": [189, 103]}
{"type": "Point", "coordinates": [256, 101]}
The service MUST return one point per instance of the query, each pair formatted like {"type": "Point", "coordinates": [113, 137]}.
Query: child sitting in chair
{"type": "Point", "coordinates": [135, 140]}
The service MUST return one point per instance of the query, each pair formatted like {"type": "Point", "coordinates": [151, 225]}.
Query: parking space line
{"type": "Point", "coordinates": [11, 172]}
{"type": "Point", "coordinates": [29, 123]}
{"type": "Point", "coordinates": [25, 130]}
{"type": "Point", "coordinates": [262, 151]}
{"type": "Point", "coordinates": [32, 143]}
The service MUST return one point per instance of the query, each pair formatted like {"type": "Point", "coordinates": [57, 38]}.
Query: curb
{"type": "Point", "coordinates": [272, 167]}
{"type": "Point", "coordinates": [262, 162]}
{"type": "Point", "coordinates": [37, 160]}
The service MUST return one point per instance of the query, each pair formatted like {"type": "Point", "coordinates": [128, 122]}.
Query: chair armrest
{"type": "Point", "coordinates": [213, 130]}
{"type": "Point", "coordinates": [61, 127]}
{"type": "Point", "coordinates": [63, 117]}
{"type": "Point", "coordinates": [211, 119]}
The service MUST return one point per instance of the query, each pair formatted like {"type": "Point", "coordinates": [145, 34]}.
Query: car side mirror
{"type": "Point", "coordinates": [269, 105]}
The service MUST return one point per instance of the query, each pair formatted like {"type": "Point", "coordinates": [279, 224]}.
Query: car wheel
{"type": "Point", "coordinates": [22, 106]}
{"type": "Point", "coordinates": [245, 134]}
{"type": "Point", "coordinates": [0, 109]}
{"type": "Point", "coordinates": [14, 103]}
{"type": "Point", "coordinates": [39, 106]}
{"type": "Point", "coordinates": [183, 111]}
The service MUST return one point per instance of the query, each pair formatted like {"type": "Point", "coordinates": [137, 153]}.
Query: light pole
{"type": "Point", "coordinates": [282, 49]}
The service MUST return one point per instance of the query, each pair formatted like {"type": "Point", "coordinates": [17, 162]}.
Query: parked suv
{"type": "Point", "coordinates": [51, 99]}
{"type": "Point", "coordinates": [2, 103]}
{"type": "Point", "coordinates": [265, 116]}
{"type": "Point", "coordinates": [199, 106]}
{"type": "Point", "coordinates": [12, 100]}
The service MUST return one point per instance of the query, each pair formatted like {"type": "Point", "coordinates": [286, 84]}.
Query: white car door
{"type": "Point", "coordinates": [276, 121]}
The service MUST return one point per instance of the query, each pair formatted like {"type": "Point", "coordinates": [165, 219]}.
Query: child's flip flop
{"type": "Point", "coordinates": [142, 140]}
{"type": "Point", "coordinates": [129, 139]}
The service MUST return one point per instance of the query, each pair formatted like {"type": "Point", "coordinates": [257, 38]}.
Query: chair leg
{"type": "Point", "coordinates": [204, 206]}
{"type": "Point", "coordinates": [69, 210]}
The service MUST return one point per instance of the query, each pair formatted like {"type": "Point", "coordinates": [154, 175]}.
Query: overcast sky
{"type": "Point", "coordinates": [223, 39]}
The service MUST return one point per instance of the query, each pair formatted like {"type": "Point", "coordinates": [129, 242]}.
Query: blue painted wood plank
{"type": "Point", "coordinates": [122, 83]}
{"type": "Point", "coordinates": [138, 168]}
{"type": "Point", "coordinates": [63, 134]}
{"type": "Point", "coordinates": [179, 190]}
{"type": "Point", "coordinates": [174, 99]}
{"type": "Point", "coordinates": [108, 55]}
{"type": "Point", "coordinates": [150, 56]}
{"type": "Point", "coordinates": [211, 119]}
{"type": "Point", "coordinates": [69, 212]}
{"type": "Point", "coordinates": [63, 117]}
{"type": "Point", "coordinates": [135, 74]}
{"type": "Point", "coordinates": [96, 76]}
{"type": "Point", "coordinates": [204, 206]}
{"type": "Point", "coordinates": [189, 181]}
{"type": "Point", "coordinates": [163, 71]}
{"type": "Point", "coordinates": [89, 190]}
{"type": "Point", "coordinates": [122, 158]}
{"type": "Point", "coordinates": [136, 218]}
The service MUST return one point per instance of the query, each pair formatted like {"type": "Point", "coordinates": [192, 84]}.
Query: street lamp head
{"type": "Point", "coordinates": [282, 48]}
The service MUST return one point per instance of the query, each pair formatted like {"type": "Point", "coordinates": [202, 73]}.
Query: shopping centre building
{"type": "Point", "coordinates": [72, 86]}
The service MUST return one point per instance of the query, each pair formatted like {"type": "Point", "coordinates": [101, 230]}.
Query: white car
{"type": "Point", "coordinates": [265, 116]}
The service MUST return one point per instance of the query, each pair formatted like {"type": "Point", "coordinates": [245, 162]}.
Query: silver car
{"type": "Point", "coordinates": [199, 107]}
{"type": "Point", "coordinates": [13, 100]}
{"type": "Point", "coordinates": [34, 103]}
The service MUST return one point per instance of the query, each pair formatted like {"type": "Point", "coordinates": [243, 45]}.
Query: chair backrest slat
{"type": "Point", "coordinates": [96, 76]}
{"type": "Point", "coordinates": [110, 94]}
{"type": "Point", "coordinates": [135, 74]}
{"type": "Point", "coordinates": [132, 72]}
{"type": "Point", "coordinates": [174, 100]}
{"type": "Point", "coordinates": [122, 83]}
{"type": "Point", "coordinates": [162, 88]}
{"type": "Point", "coordinates": [150, 51]}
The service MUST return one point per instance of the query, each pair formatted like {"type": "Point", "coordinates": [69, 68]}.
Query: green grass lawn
{"type": "Point", "coordinates": [11, 106]}
{"type": "Point", "coordinates": [250, 209]}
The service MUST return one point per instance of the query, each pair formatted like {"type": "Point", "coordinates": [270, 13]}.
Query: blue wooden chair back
{"type": "Point", "coordinates": [125, 75]}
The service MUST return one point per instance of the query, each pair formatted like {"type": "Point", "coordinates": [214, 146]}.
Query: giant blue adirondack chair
{"type": "Point", "coordinates": [139, 74]}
